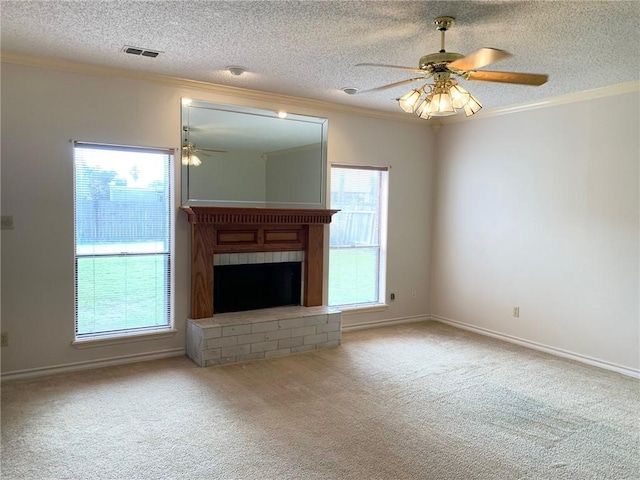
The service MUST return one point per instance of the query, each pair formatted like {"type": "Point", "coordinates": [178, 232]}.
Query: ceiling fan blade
{"type": "Point", "coordinates": [410, 69]}
{"type": "Point", "coordinates": [535, 79]}
{"type": "Point", "coordinates": [207, 153]}
{"type": "Point", "coordinates": [198, 149]}
{"type": "Point", "coordinates": [479, 58]}
{"type": "Point", "coordinates": [191, 149]}
{"type": "Point", "coordinates": [392, 85]}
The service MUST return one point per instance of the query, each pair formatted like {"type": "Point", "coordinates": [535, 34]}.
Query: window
{"type": "Point", "coordinates": [123, 230]}
{"type": "Point", "coordinates": [358, 235]}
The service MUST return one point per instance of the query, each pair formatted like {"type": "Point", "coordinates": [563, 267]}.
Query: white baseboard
{"type": "Point", "coordinates": [384, 323]}
{"type": "Point", "coordinates": [178, 352]}
{"type": "Point", "coordinates": [72, 367]}
{"type": "Point", "coordinates": [630, 372]}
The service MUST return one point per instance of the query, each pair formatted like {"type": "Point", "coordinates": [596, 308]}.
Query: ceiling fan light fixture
{"type": "Point", "coordinates": [409, 101]}
{"type": "Point", "coordinates": [191, 160]}
{"type": "Point", "coordinates": [472, 106]}
{"type": "Point", "coordinates": [440, 99]}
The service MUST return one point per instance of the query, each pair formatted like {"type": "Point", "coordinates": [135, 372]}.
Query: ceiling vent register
{"type": "Point", "coordinates": [145, 52]}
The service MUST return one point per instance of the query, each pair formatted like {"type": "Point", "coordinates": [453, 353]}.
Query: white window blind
{"type": "Point", "coordinates": [356, 234]}
{"type": "Point", "coordinates": [122, 199]}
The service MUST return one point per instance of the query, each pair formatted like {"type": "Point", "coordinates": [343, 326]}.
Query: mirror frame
{"type": "Point", "coordinates": [186, 197]}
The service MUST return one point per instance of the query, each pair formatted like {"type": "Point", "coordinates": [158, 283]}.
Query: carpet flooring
{"type": "Point", "coordinates": [414, 401]}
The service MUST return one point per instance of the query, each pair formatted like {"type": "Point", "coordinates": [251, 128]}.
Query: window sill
{"type": "Point", "coordinates": [356, 309]}
{"type": "Point", "coordinates": [103, 341]}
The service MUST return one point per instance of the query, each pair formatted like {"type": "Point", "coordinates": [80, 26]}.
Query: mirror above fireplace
{"type": "Point", "coordinates": [235, 156]}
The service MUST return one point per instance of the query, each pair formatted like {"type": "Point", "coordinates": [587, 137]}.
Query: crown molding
{"type": "Point", "coordinates": [17, 58]}
{"type": "Point", "coordinates": [608, 91]}
{"type": "Point", "coordinates": [286, 100]}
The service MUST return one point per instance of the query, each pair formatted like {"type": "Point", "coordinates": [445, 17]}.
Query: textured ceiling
{"type": "Point", "coordinates": [309, 49]}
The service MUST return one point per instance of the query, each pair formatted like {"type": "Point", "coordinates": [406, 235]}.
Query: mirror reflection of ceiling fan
{"type": "Point", "coordinates": [190, 149]}
{"type": "Point", "coordinates": [189, 156]}
{"type": "Point", "coordinates": [445, 95]}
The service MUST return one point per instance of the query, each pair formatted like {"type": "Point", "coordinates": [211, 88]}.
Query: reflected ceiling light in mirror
{"type": "Point", "coordinates": [189, 158]}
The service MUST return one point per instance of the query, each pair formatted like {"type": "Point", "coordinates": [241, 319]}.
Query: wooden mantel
{"type": "Point", "coordinates": [233, 230]}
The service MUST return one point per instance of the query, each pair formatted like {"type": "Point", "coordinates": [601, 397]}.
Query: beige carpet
{"type": "Point", "coordinates": [418, 401]}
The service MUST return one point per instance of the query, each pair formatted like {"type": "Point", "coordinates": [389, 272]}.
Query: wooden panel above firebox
{"type": "Point", "coordinates": [230, 230]}
{"type": "Point", "coordinates": [250, 238]}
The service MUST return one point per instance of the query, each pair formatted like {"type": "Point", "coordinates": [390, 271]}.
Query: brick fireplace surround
{"type": "Point", "coordinates": [233, 337]}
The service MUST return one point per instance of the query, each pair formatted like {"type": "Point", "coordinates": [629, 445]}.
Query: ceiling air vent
{"type": "Point", "coordinates": [140, 51]}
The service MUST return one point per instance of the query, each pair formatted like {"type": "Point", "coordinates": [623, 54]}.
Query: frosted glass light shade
{"type": "Point", "coordinates": [422, 106]}
{"type": "Point", "coordinates": [423, 109]}
{"type": "Point", "coordinates": [425, 114]}
{"type": "Point", "coordinates": [409, 101]}
{"type": "Point", "coordinates": [459, 96]}
{"type": "Point", "coordinates": [191, 160]}
{"type": "Point", "coordinates": [441, 105]}
{"type": "Point", "coordinates": [472, 106]}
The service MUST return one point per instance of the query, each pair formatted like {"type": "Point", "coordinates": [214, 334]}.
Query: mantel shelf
{"type": "Point", "coordinates": [257, 216]}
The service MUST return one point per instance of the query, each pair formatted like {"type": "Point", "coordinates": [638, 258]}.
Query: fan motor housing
{"type": "Point", "coordinates": [436, 58]}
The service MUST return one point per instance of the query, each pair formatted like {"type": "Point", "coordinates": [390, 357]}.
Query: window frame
{"type": "Point", "coordinates": [135, 334]}
{"type": "Point", "coordinates": [383, 200]}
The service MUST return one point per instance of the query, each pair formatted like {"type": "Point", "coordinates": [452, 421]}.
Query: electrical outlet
{"type": "Point", "coordinates": [7, 222]}
{"type": "Point", "coordinates": [4, 340]}
{"type": "Point", "coordinates": [516, 312]}
{"type": "Point", "coordinates": [413, 294]}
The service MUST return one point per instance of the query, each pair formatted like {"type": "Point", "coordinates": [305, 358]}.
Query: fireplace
{"type": "Point", "coordinates": [257, 238]}
{"type": "Point", "coordinates": [252, 286]}
{"type": "Point", "coordinates": [254, 231]}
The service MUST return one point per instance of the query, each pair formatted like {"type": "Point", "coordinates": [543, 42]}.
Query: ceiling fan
{"type": "Point", "coordinates": [189, 156]}
{"type": "Point", "coordinates": [445, 95]}
{"type": "Point", "coordinates": [190, 149]}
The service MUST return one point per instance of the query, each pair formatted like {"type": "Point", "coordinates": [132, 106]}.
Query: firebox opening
{"type": "Point", "coordinates": [238, 288]}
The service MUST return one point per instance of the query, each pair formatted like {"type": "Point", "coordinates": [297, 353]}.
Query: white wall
{"type": "Point", "coordinates": [410, 154]}
{"type": "Point", "coordinates": [537, 209]}
{"type": "Point", "coordinates": [42, 110]}
{"type": "Point", "coordinates": [540, 210]}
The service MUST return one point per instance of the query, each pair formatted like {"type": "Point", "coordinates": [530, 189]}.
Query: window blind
{"type": "Point", "coordinates": [122, 213]}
